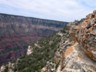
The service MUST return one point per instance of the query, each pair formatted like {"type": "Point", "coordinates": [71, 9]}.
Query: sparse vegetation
{"type": "Point", "coordinates": [39, 57]}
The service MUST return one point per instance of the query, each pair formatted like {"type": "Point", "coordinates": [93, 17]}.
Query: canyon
{"type": "Point", "coordinates": [72, 49]}
{"type": "Point", "coordinates": [18, 32]}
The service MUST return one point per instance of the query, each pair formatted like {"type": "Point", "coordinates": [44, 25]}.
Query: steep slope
{"type": "Point", "coordinates": [17, 32]}
{"type": "Point", "coordinates": [72, 49]}
{"type": "Point", "coordinates": [79, 51]}
{"type": "Point", "coordinates": [37, 55]}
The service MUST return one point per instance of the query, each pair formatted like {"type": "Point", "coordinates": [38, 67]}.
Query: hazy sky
{"type": "Point", "coordinates": [63, 10]}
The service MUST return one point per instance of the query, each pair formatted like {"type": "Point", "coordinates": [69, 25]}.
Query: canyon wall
{"type": "Point", "coordinates": [17, 32]}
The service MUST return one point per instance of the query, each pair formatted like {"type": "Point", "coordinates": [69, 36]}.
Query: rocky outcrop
{"type": "Point", "coordinates": [29, 50]}
{"type": "Point", "coordinates": [18, 32]}
{"type": "Point", "coordinates": [81, 56]}
{"type": "Point", "coordinates": [85, 35]}
{"type": "Point", "coordinates": [78, 52]}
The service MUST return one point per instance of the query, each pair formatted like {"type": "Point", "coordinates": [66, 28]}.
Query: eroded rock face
{"type": "Point", "coordinates": [86, 35]}
{"type": "Point", "coordinates": [83, 53]}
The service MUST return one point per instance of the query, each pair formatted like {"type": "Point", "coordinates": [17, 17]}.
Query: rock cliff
{"type": "Point", "coordinates": [79, 51]}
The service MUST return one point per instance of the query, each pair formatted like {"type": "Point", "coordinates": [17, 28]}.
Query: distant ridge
{"type": "Point", "coordinates": [31, 17]}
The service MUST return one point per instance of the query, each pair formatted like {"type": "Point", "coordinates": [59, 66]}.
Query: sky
{"type": "Point", "coordinates": [61, 10]}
